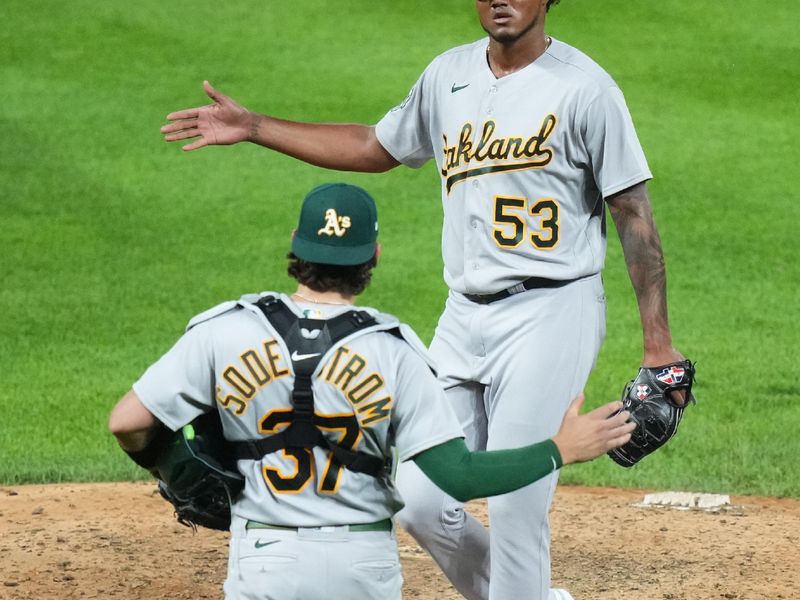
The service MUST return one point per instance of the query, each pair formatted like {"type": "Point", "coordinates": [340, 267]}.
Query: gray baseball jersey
{"type": "Point", "coordinates": [375, 390]}
{"type": "Point", "coordinates": [525, 162]}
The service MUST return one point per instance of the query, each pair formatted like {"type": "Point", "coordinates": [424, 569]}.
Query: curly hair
{"type": "Point", "coordinates": [347, 280]}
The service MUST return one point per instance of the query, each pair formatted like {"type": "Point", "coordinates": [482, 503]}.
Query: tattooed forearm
{"type": "Point", "coordinates": [641, 245]}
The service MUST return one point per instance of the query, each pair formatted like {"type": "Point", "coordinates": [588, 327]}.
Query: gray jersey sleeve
{"type": "Point", "coordinates": [180, 386]}
{"type": "Point", "coordinates": [405, 130]}
{"type": "Point", "coordinates": [617, 158]}
{"type": "Point", "coordinates": [422, 417]}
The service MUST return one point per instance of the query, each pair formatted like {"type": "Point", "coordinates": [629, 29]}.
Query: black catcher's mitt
{"type": "Point", "coordinates": [650, 403]}
{"type": "Point", "coordinates": [198, 476]}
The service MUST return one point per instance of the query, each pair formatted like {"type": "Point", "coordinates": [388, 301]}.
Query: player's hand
{"type": "Point", "coordinates": [665, 357]}
{"type": "Point", "coordinates": [223, 123]}
{"type": "Point", "coordinates": [584, 437]}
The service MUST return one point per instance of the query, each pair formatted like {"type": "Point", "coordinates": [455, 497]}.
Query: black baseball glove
{"type": "Point", "coordinates": [196, 471]}
{"type": "Point", "coordinates": [657, 416]}
{"type": "Point", "coordinates": [205, 504]}
{"type": "Point", "coordinates": [198, 476]}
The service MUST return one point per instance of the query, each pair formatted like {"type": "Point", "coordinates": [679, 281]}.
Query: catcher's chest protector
{"type": "Point", "coordinates": [308, 340]}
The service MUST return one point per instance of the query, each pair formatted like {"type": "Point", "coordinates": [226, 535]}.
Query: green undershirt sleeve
{"type": "Point", "coordinates": [466, 475]}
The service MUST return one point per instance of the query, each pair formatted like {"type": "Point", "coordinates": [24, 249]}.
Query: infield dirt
{"type": "Point", "coordinates": [120, 540]}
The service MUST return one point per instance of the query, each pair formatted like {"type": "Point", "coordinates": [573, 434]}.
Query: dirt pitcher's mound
{"type": "Point", "coordinates": [119, 539]}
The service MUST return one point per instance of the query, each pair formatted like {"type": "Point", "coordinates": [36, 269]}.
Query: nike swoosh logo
{"type": "Point", "coordinates": [457, 88]}
{"type": "Point", "coordinates": [260, 545]}
{"type": "Point", "coordinates": [296, 356]}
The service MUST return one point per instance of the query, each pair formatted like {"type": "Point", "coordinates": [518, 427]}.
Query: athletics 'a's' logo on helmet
{"type": "Point", "coordinates": [334, 224]}
{"type": "Point", "coordinates": [642, 392]}
{"type": "Point", "coordinates": [671, 375]}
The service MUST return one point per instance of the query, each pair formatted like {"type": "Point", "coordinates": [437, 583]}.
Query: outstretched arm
{"type": "Point", "coordinates": [641, 245]}
{"type": "Point", "coordinates": [466, 475]}
{"type": "Point", "coordinates": [339, 146]}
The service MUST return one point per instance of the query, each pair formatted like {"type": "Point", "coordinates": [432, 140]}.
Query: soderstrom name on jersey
{"type": "Point", "coordinates": [346, 370]}
{"type": "Point", "coordinates": [509, 150]}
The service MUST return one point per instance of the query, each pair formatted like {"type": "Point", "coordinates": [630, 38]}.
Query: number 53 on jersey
{"type": "Point", "coordinates": [513, 227]}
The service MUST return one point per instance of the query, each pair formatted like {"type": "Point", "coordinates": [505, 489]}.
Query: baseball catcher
{"type": "Point", "coordinates": [650, 400]}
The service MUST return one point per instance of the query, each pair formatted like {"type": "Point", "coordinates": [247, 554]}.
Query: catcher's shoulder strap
{"type": "Point", "coordinates": [308, 340]}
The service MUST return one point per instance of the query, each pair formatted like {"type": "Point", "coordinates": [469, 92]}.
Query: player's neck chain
{"type": "Point", "coordinates": [312, 301]}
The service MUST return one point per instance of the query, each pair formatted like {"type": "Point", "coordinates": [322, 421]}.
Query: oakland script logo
{"type": "Point", "coordinates": [516, 153]}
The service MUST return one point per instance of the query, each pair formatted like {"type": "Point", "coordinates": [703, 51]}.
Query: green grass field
{"type": "Point", "coordinates": [112, 239]}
